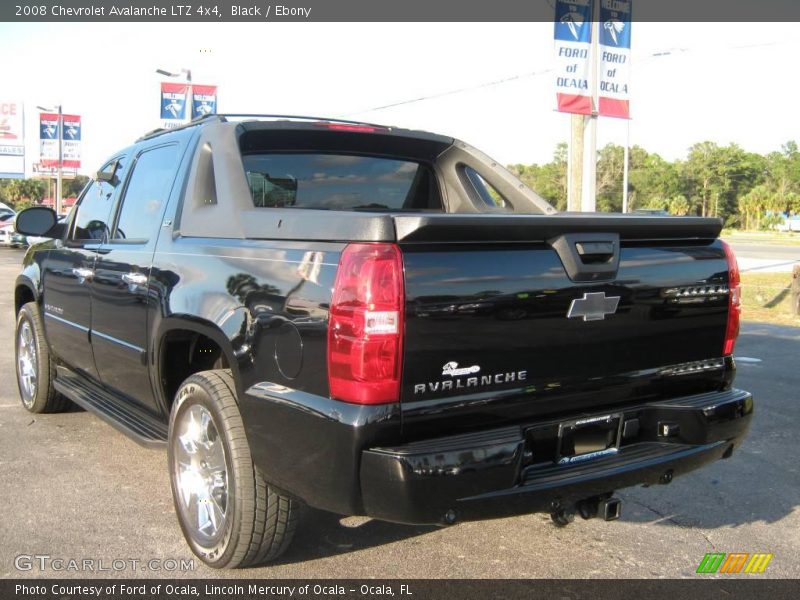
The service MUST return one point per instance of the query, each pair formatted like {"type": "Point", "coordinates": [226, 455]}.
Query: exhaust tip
{"type": "Point", "coordinates": [450, 517]}
{"type": "Point", "coordinates": [611, 509]}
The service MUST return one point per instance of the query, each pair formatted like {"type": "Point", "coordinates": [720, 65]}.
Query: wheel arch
{"type": "Point", "coordinates": [24, 291]}
{"type": "Point", "coordinates": [201, 339]}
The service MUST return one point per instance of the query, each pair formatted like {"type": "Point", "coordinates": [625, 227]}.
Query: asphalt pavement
{"type": "Point", "coordinates": [74, 488]}
{"type": "Point", "coordinates": [765, 258]}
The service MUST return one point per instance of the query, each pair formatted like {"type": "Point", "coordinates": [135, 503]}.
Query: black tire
{"type": "Point", "coordinates": [258, 522]}
{"type": "Point", "coordinates": [42, 396]}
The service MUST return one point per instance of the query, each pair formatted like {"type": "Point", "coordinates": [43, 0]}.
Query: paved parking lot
{"type": "Point", "coordinates": [75, 488]}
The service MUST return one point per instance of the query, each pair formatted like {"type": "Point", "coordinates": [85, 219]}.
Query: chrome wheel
{"type": "Point", "coordinates": [201, 474]}
{"type": "Point", "coordinates": [26, 363]}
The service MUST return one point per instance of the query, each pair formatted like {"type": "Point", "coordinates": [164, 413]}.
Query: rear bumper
{"type": "Point", "coordinates": [497, 473]}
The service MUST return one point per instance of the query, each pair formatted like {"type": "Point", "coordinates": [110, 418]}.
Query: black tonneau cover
{"type": "Point", "coordinates": [526, 228]}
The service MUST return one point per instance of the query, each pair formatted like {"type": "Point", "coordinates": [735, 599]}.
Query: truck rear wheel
{"type": "Point", "coordinates": [35, 369]}
{"type": "Point", "coordinates": [229, 515]}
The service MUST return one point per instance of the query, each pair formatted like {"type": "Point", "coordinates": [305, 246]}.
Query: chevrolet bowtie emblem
{"type": "Point", "coordinates": [593, 306]}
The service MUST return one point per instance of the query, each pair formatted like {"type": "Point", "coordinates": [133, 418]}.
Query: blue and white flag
{"type": "Point", "coordinates": [573, 41]}
{"type": "Point", "coordinates": [615, 58]}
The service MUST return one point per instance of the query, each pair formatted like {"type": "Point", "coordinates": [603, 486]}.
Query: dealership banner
{"type": "Point", "coordinates": [204, 100]}
{"type": "Point", "coordinates": [615, 58]}
{"type": "Point", "coordinates": [71, 146]}
{"type": "Point", "coordinates": [48, 139]}
{"type": "Point", "coordinates": [174, 104]}
{"type": "Point", "coordinates": [70, 141]}
{"type": "Point", "coordinates": [573, 42]}
{"type": "Point", "coordinates": [12, 140]}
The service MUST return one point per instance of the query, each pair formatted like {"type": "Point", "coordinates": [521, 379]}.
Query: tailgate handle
{"type": "Point", "coordinates": [588, 256]}
{"type": "Point", "coordinates": [594, 249]}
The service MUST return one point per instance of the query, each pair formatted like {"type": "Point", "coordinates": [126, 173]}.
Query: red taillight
{"type": "Point", "coordinates": [346, 127]}
{"type": "Point", "coordinates": [365, 330]}
{"type": "Point", "coordinates": [734, 301]}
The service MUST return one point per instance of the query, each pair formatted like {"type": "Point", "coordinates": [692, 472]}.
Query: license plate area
{"type": "Point", "coordinates": [588, 437]}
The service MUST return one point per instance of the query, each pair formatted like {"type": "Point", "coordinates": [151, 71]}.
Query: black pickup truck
{"type": "Point", "coordinates": [374, 321]}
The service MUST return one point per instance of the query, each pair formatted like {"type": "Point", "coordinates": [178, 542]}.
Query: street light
{"type": "Point", "coordinates": [187, 72]}
{"type": "Point", "coordinates": [59, 179]}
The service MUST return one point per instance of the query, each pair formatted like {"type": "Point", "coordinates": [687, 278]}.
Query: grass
{"type": "Point", "coordinates": [767, 298]}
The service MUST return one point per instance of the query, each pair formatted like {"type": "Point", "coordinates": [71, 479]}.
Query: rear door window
{"type": "Point", "coordinates": [146, 193]}
{"type": "Point", "coordinates": [340, 182]}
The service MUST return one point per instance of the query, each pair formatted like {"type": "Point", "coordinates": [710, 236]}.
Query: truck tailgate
{"type": "Point", "coordinates": [503, 332]}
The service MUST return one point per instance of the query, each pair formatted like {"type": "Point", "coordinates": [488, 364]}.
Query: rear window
{"type": "Point", "coordinates": [340, 182]}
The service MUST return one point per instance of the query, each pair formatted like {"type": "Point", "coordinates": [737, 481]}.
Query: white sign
{"type": "Point", "coordinates": [12, 140]}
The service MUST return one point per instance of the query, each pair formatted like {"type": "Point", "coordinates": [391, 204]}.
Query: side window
{"type": "Point", "coordinates": [485, 190]}
{"type": "Point", "coordinates": [146, 194]}
{"type": "Point", "coordinates": [94, 210]}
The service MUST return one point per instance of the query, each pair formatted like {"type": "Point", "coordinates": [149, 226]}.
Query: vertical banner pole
{"type": "Point", "coordinates": [60, 176]}
{"type": "Point", "coordinates": [574, 94]}
{"type": "Point", "coordinates": [589, 191]}
{"type": "Point", "coordinates": [625, 163]}
{"type": "Point", "coordinates": [575, 166]}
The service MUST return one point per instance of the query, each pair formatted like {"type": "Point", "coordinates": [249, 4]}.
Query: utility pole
{"type": "Point", "coordinates": [60, 178]}
{"type": "Point", "coordinates": [626, 162]}
{"type": "Point", "coordinates": [60, 166]}
{"type": "Point", "coordinates": [582, 167]}
{"type": "Point", "coordinates": [589, 191]}
{"type": "Point", "coordinates": [575, 166]}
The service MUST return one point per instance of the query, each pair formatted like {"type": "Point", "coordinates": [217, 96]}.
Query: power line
{"type": "Point", "coordinates": [644, 60]}
{"type": "Point", "coordinates": [452, 92]}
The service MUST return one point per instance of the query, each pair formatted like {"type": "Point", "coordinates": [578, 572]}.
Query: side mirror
{"type": "Point", "coordinates": [38, 221]}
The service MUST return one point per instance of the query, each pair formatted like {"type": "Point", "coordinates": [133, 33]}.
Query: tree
{"type": "Point", "coordinates": [679, 205]}
{"type": "Point", "coordinates": [610, 168]}
{"type": "Point", "coordinates": [753, 204]}
{"type": "Point", "coordinates": [73, 187]}
{"type": "Point", "coordinates": [548, 180]}
{"type": "Point", "coordinates": [21, 193]}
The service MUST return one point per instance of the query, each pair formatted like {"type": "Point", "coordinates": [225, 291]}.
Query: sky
{"type": "Point", "coordinates": [724, 82]}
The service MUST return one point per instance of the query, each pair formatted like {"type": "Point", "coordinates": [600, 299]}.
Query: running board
{"type": "Point", "coordinates": [137, 424]}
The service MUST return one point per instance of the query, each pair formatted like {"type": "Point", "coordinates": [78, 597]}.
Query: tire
{"type": "Point", "coordinates": [232, 518]}
{"type": "Point", "coordinates": [35, 369]}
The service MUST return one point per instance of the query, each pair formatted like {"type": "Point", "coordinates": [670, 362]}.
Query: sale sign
{"type": "Point", "coordinates": [12, 140]}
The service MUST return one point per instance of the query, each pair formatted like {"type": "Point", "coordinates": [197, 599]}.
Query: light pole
{"type": "Point", "coordinates": [60, 174]}
{"type": "Point", "coordinates": [187, 72]}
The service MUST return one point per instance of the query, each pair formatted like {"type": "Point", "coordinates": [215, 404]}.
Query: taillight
{"type": "Point", "coordinates": [365, 329]}
{"type": "Point", "coordinates": [348, 127]}
{"type": "Point", "coordinates": [734, 301]}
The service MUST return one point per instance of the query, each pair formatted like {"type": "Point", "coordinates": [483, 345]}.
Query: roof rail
{"type": "Point", "coordinates": [161, 130]}
{"type": "Point", "coordinates": [297, 118]}
{"type": "Point", "coordinates": [223, 117]}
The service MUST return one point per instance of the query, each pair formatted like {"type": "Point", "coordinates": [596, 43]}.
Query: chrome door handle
{"type": "Point", "coordinates": [135, 278]}
{"type": "Point", "coordinates": [82, 274]}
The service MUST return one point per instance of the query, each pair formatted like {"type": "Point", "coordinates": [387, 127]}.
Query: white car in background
{"type": "Point", "coordinates": [8, 235]}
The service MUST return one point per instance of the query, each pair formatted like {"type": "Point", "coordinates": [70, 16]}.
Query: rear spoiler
{"type": "Point", "coordinates": [532, 228]}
